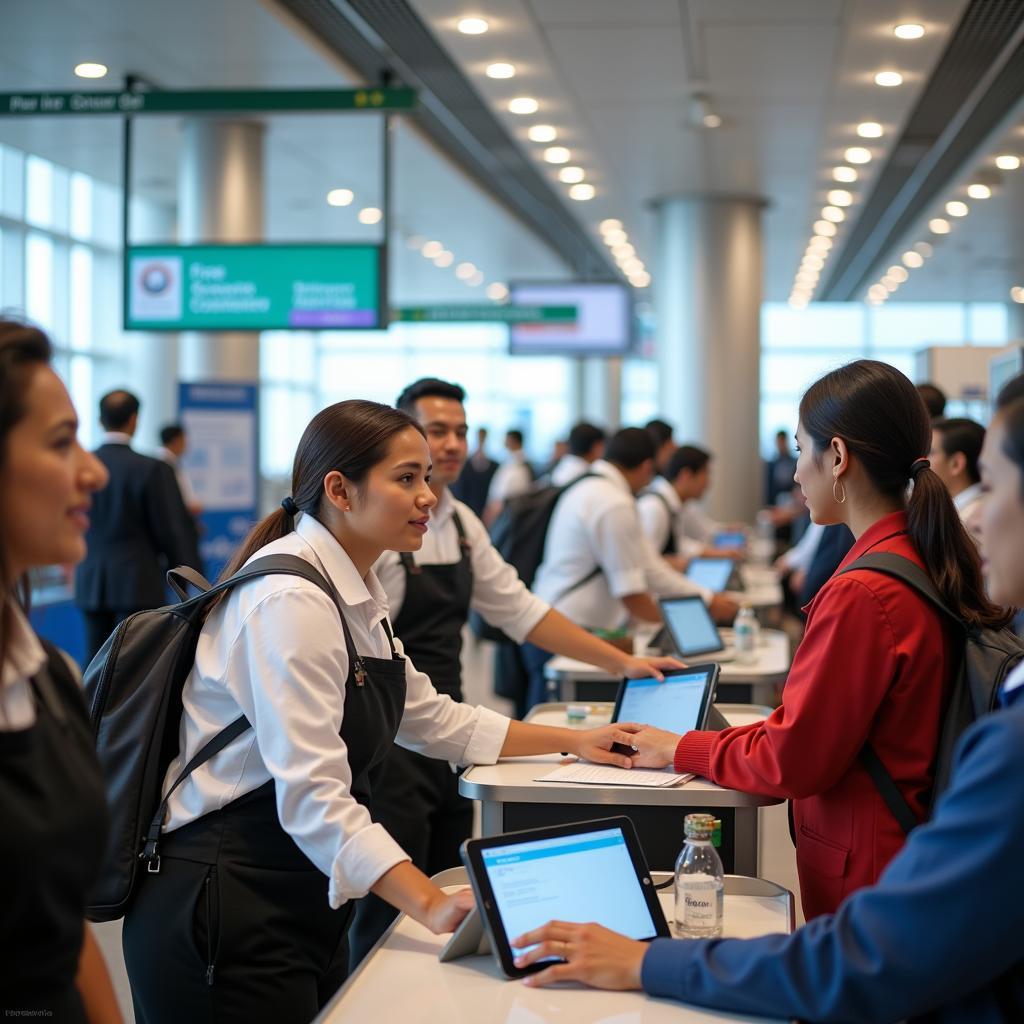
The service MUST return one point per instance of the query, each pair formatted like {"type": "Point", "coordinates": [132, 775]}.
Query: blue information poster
{"type": "Point", "coordinates": [222, 463]}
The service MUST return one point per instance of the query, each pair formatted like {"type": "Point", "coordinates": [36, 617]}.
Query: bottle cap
{"type": "Point", "coordinates": [699, 826]}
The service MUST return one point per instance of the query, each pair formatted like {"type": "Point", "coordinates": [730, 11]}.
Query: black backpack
{"type": "Point", "coordinates": [519, 534]}
{"type": "Point", "coordinates": [133, 687]}
{"type": "Point", "coordinates": [987, 656]}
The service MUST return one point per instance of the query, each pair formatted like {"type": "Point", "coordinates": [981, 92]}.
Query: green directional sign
{"type": "Point", "coordinates": [204, 101]}
{"type": "Point", "coordinates": [492, 314]}
{"type": "Point", "coordinates": [252, 287]}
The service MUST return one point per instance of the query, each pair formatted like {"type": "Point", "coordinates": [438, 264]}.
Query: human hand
{"type": "Point", "coordinates": [591, 954]}
{"type": "Point", "coordinates": [446, 911]}
{"type": "Point", "coordinates": [723, 609]}
{"type": "Point", "coordinates": [646, 668]}
{"type": "Point", "coordinates": [596, 744]}
{"type": "Point", "coordinates": [652, 748]}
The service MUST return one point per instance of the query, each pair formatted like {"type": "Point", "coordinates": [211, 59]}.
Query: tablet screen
{"type": "Point", "coordinates": [582, 877]}
{"type": "Point", "coordinates": [712, 573]}
{"type": "Point", "coordinates": [729, 539]}
{"type": "Point", "coordinates": [690, 625]}
{"type": "Point", "coordinates": [676, 704]}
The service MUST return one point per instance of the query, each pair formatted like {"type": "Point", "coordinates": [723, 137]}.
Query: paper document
{"type": "Point", "coordinates": [606, 775]}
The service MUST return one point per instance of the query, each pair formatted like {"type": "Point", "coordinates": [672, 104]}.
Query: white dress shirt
{"type": "Point", "coordinates": [696, 524]}
{"type": "Point", "coordinates": [570, 467]}
{"type": "Point", "coordinates": [799, 557]}
{"type": "Point", "coordinates": [499, 595]}
{"type": "Point", "coordinates": [658, 517]}
{"type": "Point", "coordinates": [274, 650]}
{"type": "Point", "coordinates": [596, 524]}
{"type": "Point", "coordinates": [25, 657]}
{"type": "Point", "coordinates": [511, 478]}
{"type": "Point", "coordinates": [188, 494]}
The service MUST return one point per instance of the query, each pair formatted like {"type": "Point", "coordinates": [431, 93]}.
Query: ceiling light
{"type": "Point", "coordinates": [89, 69]}
{"type": "Point", "coordinates": [369, 215]}
{"type": "Point", "coordinates": [557, 155]}
{"type": "Point", "coordinates": [432, 249]}
{"type": "Point", "coordinates": [633, 266]}
{"type": "Point", "coordinates": [857, 155]}
{"type": "Point", "coordinates": [1017, 293]}
{"type": "Point", "coordinates": [844, 174]}
{"type": "Point", "coordinates": [833, 213]}
{"type": "Point", "coordinates": [812, 262]}
{"type": "Point", "coordinates": [476, 280]}
{"type": "Point", "coordinates": [824, 227]}
{"type": "Point", "coordinates": [464, 270]}
{"type": "Point", "coordinates": [611, 224]}
{"type": "Point", "coordinates": [889, 79]}
{"type": "Point", "coordinates": [340, 197]}
{"type": "Point", "coordinates": [501, 70]}
{"type": "Point", "coordinates": [924, 249]}
{"type": "Point", "coordinates": [542, 133]}
{"type": "Point", "coordinates": [497, 292]}
{"type": "Point", "coordinates": [797, 303]}
{"type": "Point", "coordinates": [444, 258]}
{"type": "Point", "coordinates": [807, 277]}
{"type": "Point", "coordinates": [623, 251]}
{"type": "Point", "coordinates": [711, 121]}
{"type": "Point", "coordinates": [877, 291]}
{"type": "Point", "coordinates": [912, 259]}
{"type": "Point", "coordinates": [641, 280]}
{"type": "Point", "coordinates": [908, 31]}
{"type": "Point", "coordinates": [890, 284]}
{"type": "Point", "coordinates": [571, 175]}
{"type": "Point", "coordinates": [615, 237]}
{"type": "Point", "coordinates": [938, 226]}
{"type": "Point", "coordinates": [840, 197]}
{"type": "Point", "coordinates": [523, 105]}
{"type": "Point", "coordinates": [979, 191]}
{"type": "Point", "coordinates": [898, 274]}
{"type": "Point", "coordinates": [957, 209]}
{"type": "Point", "coordinates": [581, 192]}
{"type": "Point", "coordinates": [472, 26]}
{"type": "Point", "coordinates": [819, 243]}
{"type": "Point", "coordinates": [1007, 162]}
{"type": "Point", "coordinates": [870, 130]}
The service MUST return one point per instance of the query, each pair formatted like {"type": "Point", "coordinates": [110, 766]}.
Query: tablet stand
{"type": "Point", "coordinates": [469, 939]}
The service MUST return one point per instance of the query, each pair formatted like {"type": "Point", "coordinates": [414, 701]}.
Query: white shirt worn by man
{"type": "Point", "coordinates": [696, 524]}
{"type": "Point", "coordinates": [188, 494]}
{"type": "Point", "coordinates": [274, 650]}
{"type": "Point", "coordinates": [511, 478]}
{"type": "Point", "coordinates": [570, 467]}
{"type": "Point", "coordinates": [661, 515]}
{"type": "Point", "coordinates": [595, 524]}
{"type": "Point", "coordinates": [499, 595]}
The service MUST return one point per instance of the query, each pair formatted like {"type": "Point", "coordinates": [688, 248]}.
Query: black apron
{"type": "Point", "coordinates": [53, 807]}
{"type": "Point", "coordinates": [236, 927]}
{"type": "Point", "coordinates": [417, 798]}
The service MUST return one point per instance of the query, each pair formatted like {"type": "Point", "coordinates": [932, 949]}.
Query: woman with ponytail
{"type": "Point", "coordinates": [268, 844]}
{"type": "Point", "coordinates": [876, 661]}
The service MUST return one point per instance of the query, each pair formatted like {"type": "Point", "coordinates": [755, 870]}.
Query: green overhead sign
{"type": "Point", "coordinates": [252, 287]}
{"type": "Point", "coordinates": [486, 314]}
{"type": "Point", "coordinates": [204, 101]}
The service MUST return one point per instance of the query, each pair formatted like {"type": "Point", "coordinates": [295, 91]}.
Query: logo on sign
{"type": "Point", "coordinates": [156, 292]}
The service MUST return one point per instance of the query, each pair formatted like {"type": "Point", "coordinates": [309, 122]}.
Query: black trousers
{"type": "Point", "coordinates": [417, 800]}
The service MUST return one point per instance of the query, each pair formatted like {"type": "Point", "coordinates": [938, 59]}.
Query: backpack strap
{"type": "Point", "coordinates": [595, 572]}
{"type": "Point", "coordinates": [180, 579]}
{"type": "Point", "coordinates": [887, 788]}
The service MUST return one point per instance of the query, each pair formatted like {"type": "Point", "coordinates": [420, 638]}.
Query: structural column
{"type": "Point", "coordinates": [708, 303]}
{"type": "Point", "coordinates": [220, 199]}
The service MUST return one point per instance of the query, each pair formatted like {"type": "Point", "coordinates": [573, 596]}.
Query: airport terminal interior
{"type": "Point", "coordinates": [641, 238]}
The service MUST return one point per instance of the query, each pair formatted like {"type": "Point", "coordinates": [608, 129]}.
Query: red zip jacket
{"type": "Point", "coordinates": [874, 665]}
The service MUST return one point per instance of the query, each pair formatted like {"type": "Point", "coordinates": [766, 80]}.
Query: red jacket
{"type": "Point", "coordinates": [874, 665]}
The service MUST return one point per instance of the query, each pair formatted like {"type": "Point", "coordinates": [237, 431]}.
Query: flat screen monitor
{"type": "Point", "coordinates": [603, 324]}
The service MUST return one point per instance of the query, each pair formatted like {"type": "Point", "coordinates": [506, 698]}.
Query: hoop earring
{"type": "Point", "coordinates": [836, 482]}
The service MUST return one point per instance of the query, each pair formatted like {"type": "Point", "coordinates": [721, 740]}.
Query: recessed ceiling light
{"type": "Point", "coordinates": [523, 105]}
{"type": "Point", "coordinates": [813, 262]}
{"type": "Point", "coordinates": [633, 266]}
{"type": "Point", "coordinates": [611, 224]}
{"type": "Point", "coordinates": [833, 213]}
{"type": "Point", "coordinates": [542, 133]}
{"type": "Point", "coordinates": [840, 197]}
{"type": "Point", "coordinates": [857, 155]}
{"type": "Point", "coordinates": [476, 280]}
{"type": "Point", "coordinates": [571, 175]}
{"type": "Point", "coordinates": [908, 31]}
{"type": "Point", "coordinates": [890, 284]}
{"type": "Point", "coordinates": [870, 130]}
{"type": "Point", "coordinates": [824, 227]}
{"type": "Point", "coordinates": [819, 243]}
{"type": "Point", "coordinates": [582, 192]}
{"type": "Point", "coordinates": [957, 209]}
{"type": "Point", "coordinates": [90, 69]}
{"type": "Point", "coordinates": [1017, 293]}
{"type": "Point", "coordinates": [844, 174]}
{"type": "Point", "coordinates": [924, 249]}
{"type": "Point", "coordinates": [711, 121]}
{"type": "Point", "coordinates": [1007, 162]}
{"type": "Point", "coordinates": [615, 237]}
{"type": "Point", "coordinates": [641, 280]}
{"type": "Point", "coordinates": [979, 191]}
{"type": "Point", "coordinates": [497, 292]}
{"type": "Point", "coordinates": [557, 155]}
{"type": "Point", "coordinates": [432, 249]}
{"type": "Point", "coordinates": [464, 271]}
{"type": "Point", "coordinates": [938, 226]}
{"type": "Point", "coordinates": [623, 251]}
{"type": "Point", "coordinates": [912, 259]}
{"type": "Point", "coordinates": [501, 70]}
{"type": "Point", "coordinates": [340, 196]}
{"type": "Point", "coordinates": [444, 258]}
{"type": "Point", "coordinates": [898, 274]}
{"type": "Point", "coordinates": [889, 79]}
{"type": "Point", "coordinates": [877, 291]}
{"type": "Point", "coordinates": [472, 26]}
{"type": "Point", "coordinates": [369, 215]}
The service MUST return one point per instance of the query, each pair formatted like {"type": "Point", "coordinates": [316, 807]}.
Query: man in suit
{"type": "Point", "coordinates": [138, 529]}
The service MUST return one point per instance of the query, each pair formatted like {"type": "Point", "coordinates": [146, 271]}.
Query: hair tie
{"type": "Point", "coordinates": [290, 507]}
{"type": "Point", "coordinates": [918, 466]}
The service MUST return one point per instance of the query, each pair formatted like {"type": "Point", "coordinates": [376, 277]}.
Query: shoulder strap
{"type": "Point", "coordinates": [887, 788]}
{"type": "Point", "coordinates": [180, 579]}
{"type": "Point", "coordinates": [460, 530]}
{"type": "Point", "coordinates": [391, 637]}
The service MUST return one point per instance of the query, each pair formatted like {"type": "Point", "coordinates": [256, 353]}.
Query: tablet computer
{"type": "Point", "coordinates": [586, 871]}
{"type": "Point", "coordinates": [713, 574]}
{"type": "Point", "coordinates": [729, 539]}
{"type": "Point", "coordinates": [678, 703]}
{"type": "Point", "coordinates": [691, 630]}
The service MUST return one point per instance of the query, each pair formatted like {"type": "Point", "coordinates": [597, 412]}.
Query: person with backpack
{"type": "Point", "coordinates": [243, 911]}
{"type": "Point", "coordinates": [874, 672]}
{"type": "Point", "coordinates": [51, 790]}
{"type": "Point", "coordinates": [430, 596]}
{"type": "Point", "coordinates": [940, 937]}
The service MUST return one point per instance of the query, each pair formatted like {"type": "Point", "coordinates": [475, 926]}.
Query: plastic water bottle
{"type": "Point", "coordinates": [746, 635]}
{"type": "Point", "coordinates": [700, 885]}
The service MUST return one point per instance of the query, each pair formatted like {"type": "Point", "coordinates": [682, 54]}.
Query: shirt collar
{"type": "Point", "coordinates": [441, 512]}
{"type": "Point", "coordinates": [115, 437]}
{"type": "Point", "coordinates": [25, 654]}
{"type": "Point", "coordinates": [894, 522]}
{"type": "Point", "coordinates": [612, 474]}
{"type": "Point", "coordinates": [352, 588]}
{"type": "Point", "coordinates": [668, 492]}
{"type": "Point", "coordinates": [966, 496]}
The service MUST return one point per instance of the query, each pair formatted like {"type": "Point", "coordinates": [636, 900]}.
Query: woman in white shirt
{"type": "Point", "coordinates": [241, 924]}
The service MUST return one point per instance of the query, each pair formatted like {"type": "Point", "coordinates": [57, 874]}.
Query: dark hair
{"type": "Point", "coordinates": [351, 437]}
{"type": "Point", "coordinates": [171, 433]}
{"type": "Point", "coordinates": [782, 433]}
{"type": "Point", "coordinates": [629, 448]}
{"type": "Point", "coordinates": [883, 420]}
{"type": "Point", "coordinates": [117, 408]}
{"type": "Point", "coordinates": [687, 456]}
{"type": "Point", "coordinates": [1010, 391]}
{"type": "Point", "coordinates": [428, 387]}
{"type": "Point", "coordinates": [934, 399]}
{"type": "Point", "coordinates": [514, 435]}
{"type": "Point", "coordinates": [1011, 415]}
{"type": "Point", "coordinates": [583, 437]}
{"type": "Point", "coordinates": [659, 432]}
{"type": "Point", "coordinates": [23, 349]}
{"type": "Point", "coordinates": [965, 436]}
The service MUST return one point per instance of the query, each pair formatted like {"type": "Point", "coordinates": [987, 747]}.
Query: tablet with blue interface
{"type": "Point", "coordinates": [713, 574]}
{"type": "Point", "coordinates": [678, 703]}
{"type": "Point", "coordinates": [691, 630]}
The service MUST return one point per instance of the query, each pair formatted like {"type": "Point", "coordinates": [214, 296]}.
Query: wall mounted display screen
{"type": "Point", "coordinates": [252, 287]}
{"type": "Point", "coordinates": [603, 325]}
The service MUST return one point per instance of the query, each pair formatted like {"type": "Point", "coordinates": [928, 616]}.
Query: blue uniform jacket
{"type": "Point", "coordinates": [940, 935]}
